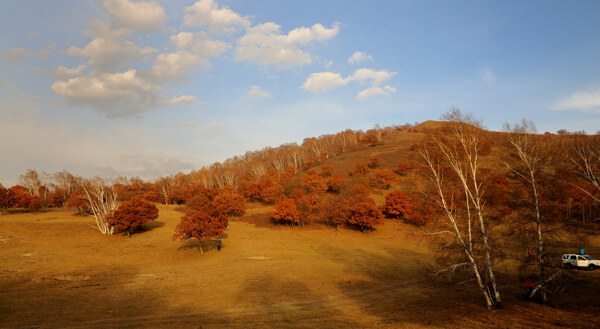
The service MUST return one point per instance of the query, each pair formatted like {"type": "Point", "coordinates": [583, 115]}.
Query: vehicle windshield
{"type": "Point", "coordinates": [588, 257]}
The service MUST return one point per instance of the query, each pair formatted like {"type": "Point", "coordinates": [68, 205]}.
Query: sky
{"type": "Point", "coordinates": [152, 88]}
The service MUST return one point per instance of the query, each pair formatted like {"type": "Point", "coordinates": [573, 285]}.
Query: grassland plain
{"type": "Point", "coordinates": [58, 272]}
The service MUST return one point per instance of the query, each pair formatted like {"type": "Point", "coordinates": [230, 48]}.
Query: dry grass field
{"type": "Point", "coordinates": [57, 272]}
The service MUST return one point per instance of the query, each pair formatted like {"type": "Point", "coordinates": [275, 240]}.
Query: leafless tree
{"type": "Point", "coordinates": [31, 181]}
{"type": "Point", "coordinates": [102, 199]}
{"type": "Point", "coordinates": [459, 149]}
{"type": "Point", "coordinates": [586, 159]}
{"type": "Point", "coordinates": [532, 159]}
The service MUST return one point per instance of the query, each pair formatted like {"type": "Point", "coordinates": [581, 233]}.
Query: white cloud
{"type": "Point", "coordinates": [175, 66]}
{"type": "Point", "coordinates": [265, 45]}
{"type": "Point", "coordinates": [487, 75]}
{"type": "Point", "coordinates": [581, 101]}
{"type": "Point", "coordinates": [16, 55]}
{"type": "Point", "coordinates": [61, 72]}
{"type": "Point", "coordinates": [206, 13]}
{"type": "Point", "coordinates": [189, 124]}
{"type": "Point", "coordinates": [377, 77]}
{"type": "Point", "coordinates": [145, 166]}
{"type": "Point", "coordinates": [213, 126]}
{"type": "Point", "coordinates": [323, 81]}
{"type": "Point", "coordinates": [375, 90]}
{"type": "Point", "coordinates": [108, 54]}
{"type": "Point", "coordinates": [181, 100]}
{"type": "Point", "coordinates": [116, 95]}
{"type": "Point", "coordinates": [255, 92]}
{"type": "Point", "coordinates": [199, 43]}
{"type": "Point", "coordinates": [138, 16]}
{"type": "Point", "coordinates": [358, 57]}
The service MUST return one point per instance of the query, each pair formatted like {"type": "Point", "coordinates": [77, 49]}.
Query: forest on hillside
{"type": "Point", "coordinates": [483, 197]}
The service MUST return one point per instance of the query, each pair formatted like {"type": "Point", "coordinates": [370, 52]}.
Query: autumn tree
{"type": "Point", "coordinates": [585, 157]}
{"type": "Point", "coordinates": [335, 183]}
{"type": "Point", "coordinates": [383, 179]}
{"type": "Point", "coordinates": [103, 202]}
{"type": "Point", "coordinates": [200, 226]}
{"type": "Point", "coordinates": [532, 159]}
{"type": "Point", "coordinates": [404, 168]}
{"type": "Point", "coordinates": [228, 203]}
{"type": "Point", "coordinates": [4, 199]}
{"type": "Point", "coordinates": [314, 183]}
{"type": "Point", "coordinates": [31, 181]}
{"type": "Point", "coordinates": [360, 169]}
{"type": "Point", "coordinates": [308, 207]}
{"type": "Point", "coordinates": [132, 214]}
{"type": "Point", "coordinates": [286, 212]}
{"type": "Point", "coordinates": [78, 200]}
{"type": "Point", "coordinates": [373, 162]}
{"type": "Point", "coordinates": [398, 205]}
{"type": "Point", "coordinates": [458, 149]}
{"type": "Point", "coordinates": [334, 209]}
{"type": "Point", "coordinates": [363, 212]}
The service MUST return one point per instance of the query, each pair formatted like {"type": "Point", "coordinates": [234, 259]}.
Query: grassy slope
{"type": "Point", "coordinates": [56, 271]}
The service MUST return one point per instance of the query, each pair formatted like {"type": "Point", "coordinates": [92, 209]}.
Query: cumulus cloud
{"type": "Point", "coordinates": [61, 72]}
{"type": "Point", "coordinates": [145, 166]}
{"type": "Point", "coordinates": [116, 95]}
{"type": "Point", "coordinates": [207, 14]}
{"type": "Point", "coordinates": [175, 66]}
{"type": "Point", "coordinates": [377, 77]}
{"type": "Point", "coordinates": [108, 54]}
{"type": "Point", "coordinates": [375, 90]}
{"type": "Point", "coordinates": [256, 92]}
{"type": "Point", "coordinates": [581, 101]}
{"type": "Point", "coordinates": [324, 81]}
{"type": "Point", "coordinates": [20, 54]}
{"type": "Point", "coordinates": [266, 45]}
{"type": "Point", "coordinates": [181, 100]}
{"type": "Point", "coordinates": [358, 57]}
{"type": "Point", "coordinates": [199, 43]}
{"type": "Point", "coordinates": [137, 16]}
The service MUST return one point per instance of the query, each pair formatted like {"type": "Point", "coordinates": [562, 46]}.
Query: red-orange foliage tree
{"type": "Point", "coordinates": [364, 214]}
{"type": "Point", "coordinates": [4, 200]}
{"type": "Point", "coordinates": [200, 226]}
{"type": "Point", "coordinates": [78, 200]}
{"type": "Point", "coordinates": [308, 206]}
{"type": "Point", "coordinates": [404, 168]}
{"type": "Point", "coordinates": [132, 214]}
{"type": "Point", "coordinates": [35, 204]}
{"type": "Point", "coordinates": [326, 170]}
{"type": "Point", "coordinates": [373, 162]}
{"type": "Point", "coordinates": [314, 183]}
{"type": "Point", "coordinates": [228, 203]}
{"type": "Point", "coordinates": [336, 183]}
{"type": "Point", "coordinates": [360, 169]}
{"type": "Point", "coordinates": [398, 205]}
{"type": "Point", "coordinates": [286, 212]}
{"type": "Point", "coordinates": [151, 196]}
{"type": "Point", "coordinates": [383, 179]}
{"type": "Point", "coordinates": [335, 210]}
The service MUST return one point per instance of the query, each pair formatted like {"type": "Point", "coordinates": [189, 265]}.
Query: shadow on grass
{"type": "Point", "coordinates": [283, 303]}
{"type": "Point", "coordinates": [398, 289]}
{"type": "Point", "coordinates": [107, 299]}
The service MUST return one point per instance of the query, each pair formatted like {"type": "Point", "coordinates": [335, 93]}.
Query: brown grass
{"type": "Point", "coordinates": [57, 272]}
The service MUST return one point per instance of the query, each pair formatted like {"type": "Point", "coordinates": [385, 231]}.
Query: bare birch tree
{"type": "Point", "coordinates": [532, 160]}
{"type": "Point", "coordinates": [459, 149]}
{"type": "Point", "coordinates": [103, 202]}
{"type": "Point", "coordinates": [586, 159]}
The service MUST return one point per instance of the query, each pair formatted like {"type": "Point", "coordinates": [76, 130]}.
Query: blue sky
{"type": "Point", "coordinates": [146, 88]}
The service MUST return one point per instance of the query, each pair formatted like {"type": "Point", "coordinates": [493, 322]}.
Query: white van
{"type": "Point", "coordinates": [582, 261]}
